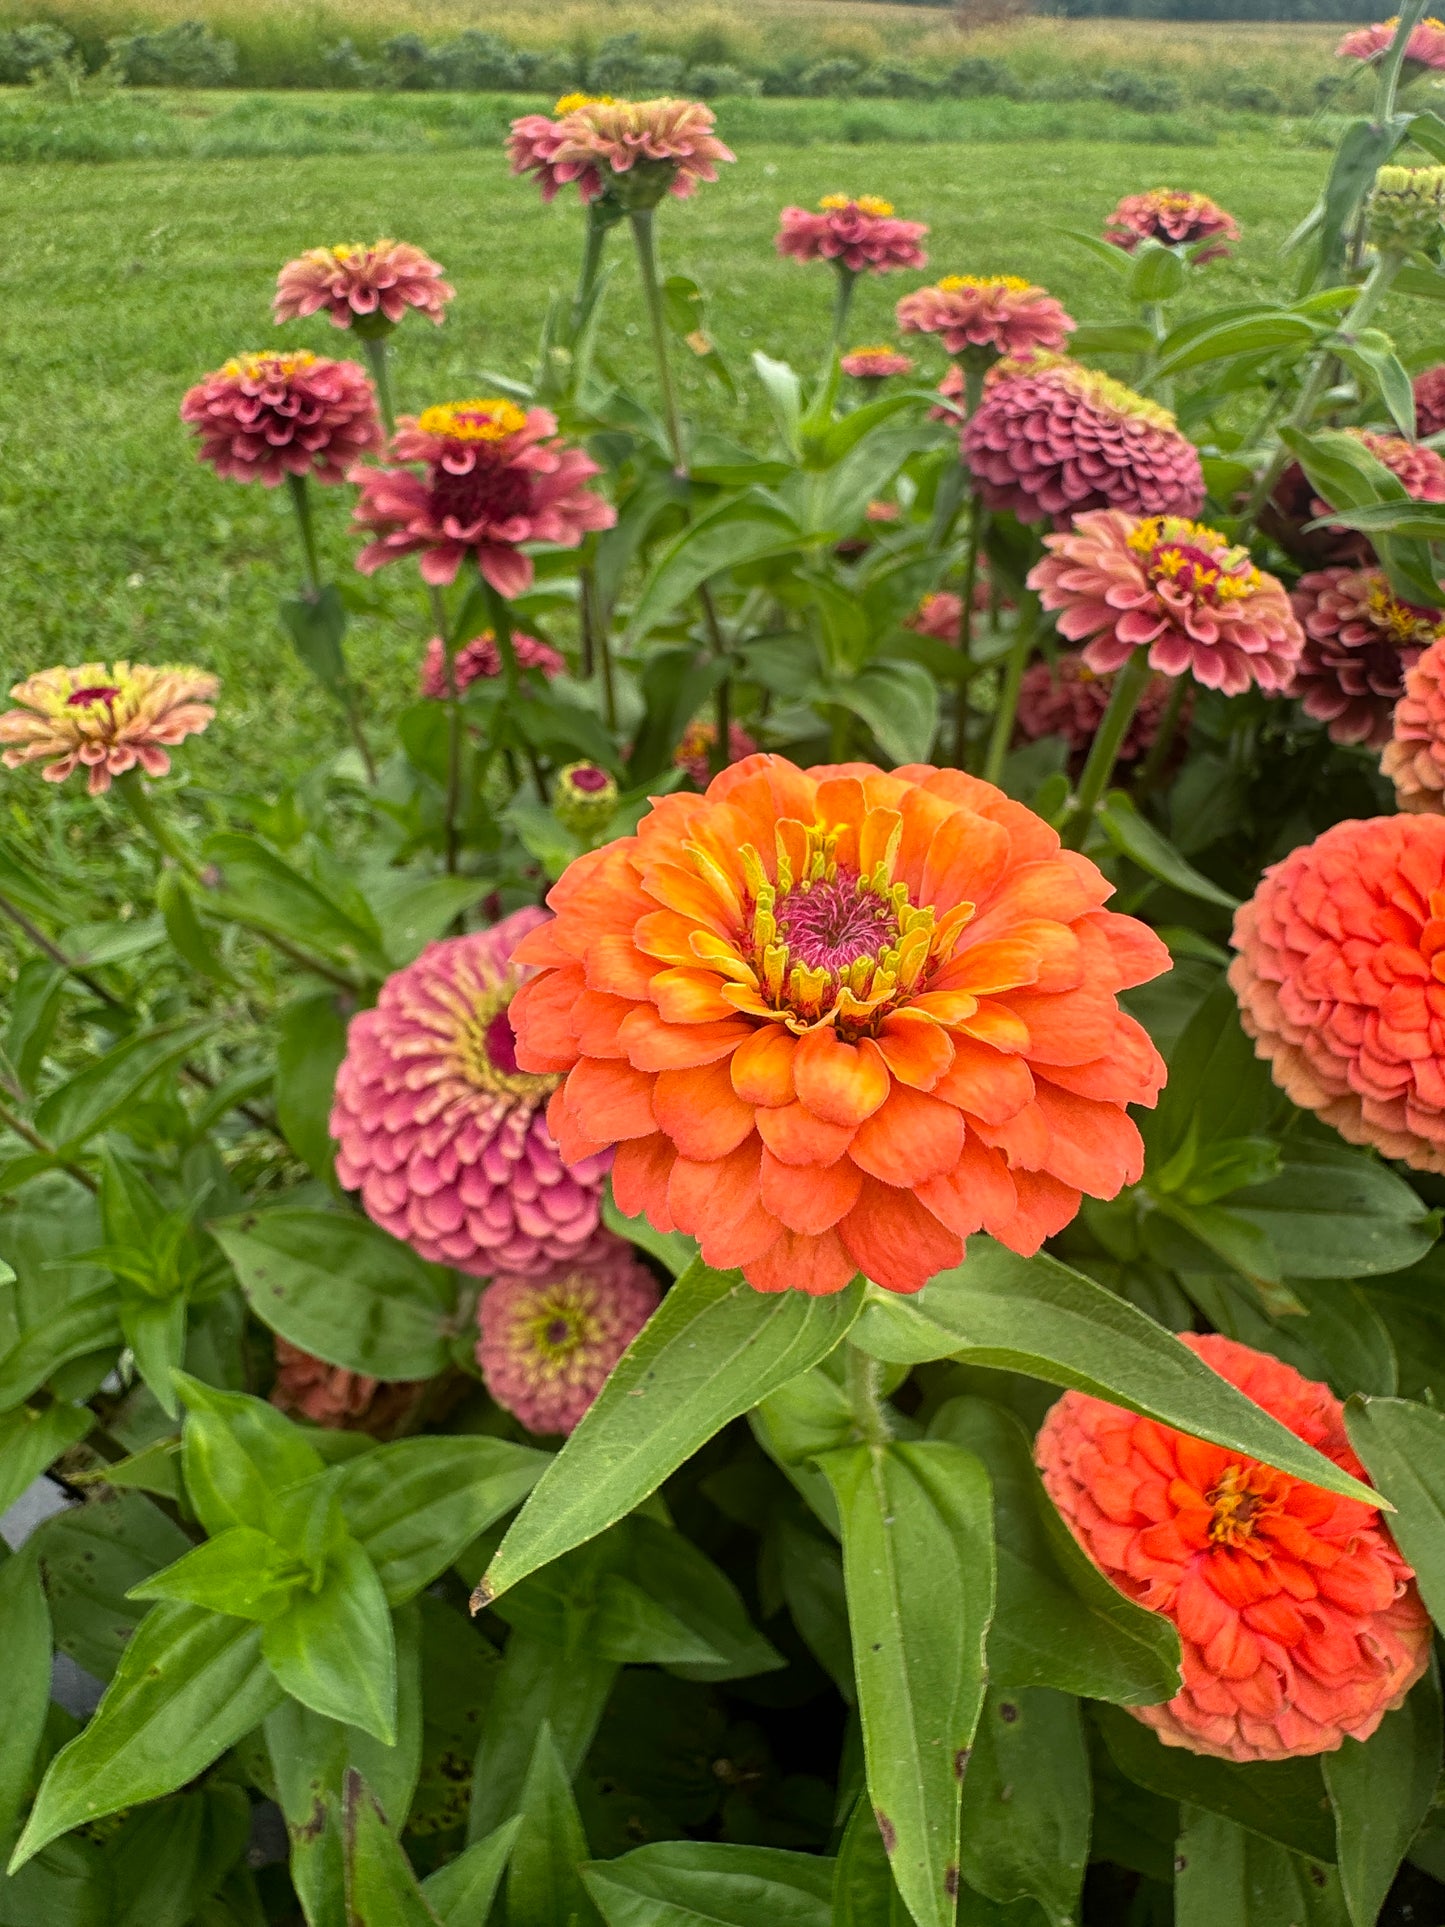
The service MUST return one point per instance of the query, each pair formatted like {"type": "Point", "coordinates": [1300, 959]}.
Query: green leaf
{"type": "Point", "coordinates": [1026, 1801]}
{"type": "Point", "coordinates": [544, 1880]}
{"type": "Point", "coordinates": [461, 1893]}
{"type": "Point", "coordinates": [565, 1688]}
{"type": "Point", "coordinates": [25, 1641]}
{"type": "Point", "coordinates": [338, 1286]}
{"type": "Point", "coordinates": [1371, 353]}
{"type": "Point", "coordinates": [1111, 337]}
{"type": "Point", "coordinates": [189, 1685]}
{"type": "Point", "coordinates": [677, 1576]}
{"type": "Point", "coordinates": [1228, 1875]}
{"type": "Point", "coordinates": [242, 1572]}
{"type": "Point", "coordinates": [30, 1440]}
{"type": "Point", "coordinates": [1381, 1790]}
{"type": "Point", "coordinates": [381, 1889]}
{"type": "Point", "coordinates": [239, 1455]}
{"type": "Point", "coordinates": [692, 1883]}
{"type": "Point", "coordinates": [310, 1037]}
{"type": "Point", "coordinates": [189, 936]}
{"type": "Point", "coordinates": [1363, 148]}
{"type": "Point", "coordinates": [711, 1351]}
{"type": "Point", "coordinates": [156, 1334]}
{"type": "Point", "coordinates": [1143, 844]}
{"type": "Point", "coordinates": [899, 703]}
{"type": "Point", "coordinates": [1335, 1212]}
{"type": "Point", "coordinates": [673, 1249]}
{"type": "Point", "coordinates": [316, 625]}
{"type": "Point", "coordinates": [1403, 1447]}
{"type": "Point", "coordinates": [918, 1562]}
{"type": "Point", "coordinates": [35, 1000]}
{"type": "Point", "coordinates": [90, 1555]}
{"type": "Point", "coordinates": [76, 1328]}
{"type": "Point", "coordinates": [96, 1096]}
{"type": "Point", "coordinates": [1157, 273]}
{"type": "Point", "coordinates": [744, 528]}
{"type": "Point", "coordinates": [785, 397]}
{"type": "Point", "coordinates": [1035, 1315]}
{"type": "Point", "coordinates": [1257, 334]}
{"type": "Point", "coordinates": [334, 1649]}
{"type": "Point", "coordinates": [262, 889]}
{"type": "Point", "coordinates": [864, 1894]}
{"type": "Point", "coordinates": [169, 1858]}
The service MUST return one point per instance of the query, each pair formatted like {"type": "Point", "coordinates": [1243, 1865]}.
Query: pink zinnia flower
{"type": "Point", "coordinates": [105, 718]}
{"type": "Point", "coordinates": [876, 362]}
{"type": "Point", "coordinates": [1420, 471]}
{"type": "Point", "coordinates": [1414, 758]}
{"type": "Point", "coordinates": [1424, 49]}
{"type": "Point", "coordinates": [1360, 638]}
{"type": "Point", "coordinates": [548, 1343]}
{"type": "Point", "coordinates": [861, 235]}
{"type": "Point", "coordinates": [338, 1400]}
{"type": "Point", "coordinates": [939, 613]}
{"type": "Point", "coordinates": [1429, 388]}
{"type": "Point", "coordinates": [1173, 216]}
{"type": "Point", "coordinates": [264, 417]}
{"type": "Point", "coordinates": [695, 746]}
{"type": "Point", "coordinates": [496, 477]}
{"type": "Point", "coordinates": [1300, 1624]}
{"type": "Point", "coordinates": [532, 149]}
{"type": "Point", "coordinates": [482, 657]}
{"type": "Point", "coordinates": [1055, 439]}
{"type": "Point", "coordinates": [1067, 698]}
{"type": "Point", "coordinates": [639, 150]}
{"type": "Point", "coordinates": [1175, 588]}
{"type": "Point", "coordinates": [997, 314]}
{"type": "Point", "coordinates": [443, 1135]}
{"type": "Point", "coordinates": [371, 286]}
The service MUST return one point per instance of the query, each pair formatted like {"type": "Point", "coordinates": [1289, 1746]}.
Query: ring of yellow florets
{"type": "Point", "coordinates": [474, 1047]}
{"type": "Point", "coordinates": [487, 420]}
{"type": "Point", "coordinates": [270, 366]}
{"type": "Point", "coordinates": [1194, 557]}
{"type": "Point", "coordinates": [569, 103]}
{"type": "Point", "coordinates": [1407, 627]}
{"type": "Point", "coordinates": [1105, 392]}
{"type": "Point", "coordinates": [875, 348]}
{"type": "Point", "coordinates": [553, 1328]}
{"type": "Point", "coordinates": [865, 204]}
{"type": "Point", "coordinates": [1010, 283]}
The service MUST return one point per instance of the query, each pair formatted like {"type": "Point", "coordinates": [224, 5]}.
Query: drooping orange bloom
{"type": "Point", "coordinates": [1299, 1622]}
{"type": "Point", "coordinates": [835, 1020]}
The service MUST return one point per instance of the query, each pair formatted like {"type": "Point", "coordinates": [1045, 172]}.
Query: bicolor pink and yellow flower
{"type": "Point", "coordinates": [263, 417]}
{"type": "Point", "coordinates": [105, 718]}
{"type": "Point", "coordinates": [861, 234]}
{"type": "Point", "coordinates": [369, 287]}
{"type": "Point", "coordinates": [989, 314]}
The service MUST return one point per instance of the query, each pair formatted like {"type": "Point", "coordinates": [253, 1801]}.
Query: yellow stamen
{"type": "Point", "coordinates": [489, 420]}
{"type": "Point", "coordinates": [865, 204]}
{"type": "Point", "coordinates": [276, 367]}
{"type": "Point", "coordinates": [1011, 283]}
{"type": "Point", "coordinates": [569, 103]}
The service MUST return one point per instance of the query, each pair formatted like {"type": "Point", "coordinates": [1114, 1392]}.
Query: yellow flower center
{"type": "Point", "coordinates": [346, 252]}
{"type": "Point", "coordinates": [865, 204]}
{"type": "Point", "coordinates": [1403, 625]}
{"type": "Point", "coordinates": [1244, 1494]}
{"type": "Point", "coordinates": [1105, 392]}
{"type": "Point", "coordinates": [569, 103]}
{"type": "Point", "coordinates": [875, 348]}
{"type": "Point", "coordinates": [270, 366]}
{"type": "Point", "coordinates": [484, 1049]}
{"type": "Point", "coordinates": [489, 420]}
{"type": "Point", "coordinates": [1195, 558]}
{"type": "Point", "coordinates": [1010, 283]}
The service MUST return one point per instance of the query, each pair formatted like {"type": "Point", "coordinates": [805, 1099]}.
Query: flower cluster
{"type": "Point", "coordinates": [1414, 758]}
{"type": "Point", "coordinates": [1359, 641]}
{"type": "Point", "coordinates": [105, 718]}
{"type": "Point", "coordinates": [1425, 47]}
{"type": "Point", "coordinates": [1067, 698]}
{"type": "Point", "coordinates": [861, 236]}
{"type": "Point", "coordinates": [263, 417]}
{"type": "Point", "coordinates": [481, 657]}
{"type": "Point", "coordinates": [1406, 209]}
{"type": "Point", "coordinates": [368, 288]}
{"type": "Point", "coordinates": [987, 315]}
{"type": "Point", "coordinates": [1174, 217]}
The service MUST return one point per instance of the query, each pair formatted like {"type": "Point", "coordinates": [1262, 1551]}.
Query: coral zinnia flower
{"type": "Point", "coordinates": [105, 718]}
{"type": "Point", "coordinates": [938, 614]}
{"type": "Point", "coordinates": [1175, 217]}
{"type": "Point", "coordinates": [332, 1397]}
{"type": "Point", "coordinates": [1056, 439]}
{"type": "Point", "coordinates": [1414, 759]}
{"type": "Point", "coordinates": [638, 150]}
{"type": "Point", "coordinates": [496, 477]}
{"type": "Point", "coordinates": [1429, 387]}
{"type": "Point", "coordinates": [549, 1343]}
{"type": "Point", "coordinates": [370, 286]}
{"type": "Point", "coordinates": [532, 149]}
{"type": "Point", "coordinates": [1174, 588]}
{"type": "Point", "coordinates": [1300, 1623]}
{"type": "Point", "coordinates": [440, 1129]}
{"type": "Point", "coordinates": [1067, 698]}
{"type": "Point", "coordinates": [1001, 314]}
{"type": "Point", "coordinates": [835, 1020]}
{"type": "Point", "coordinates": [861, 235]}
{"type": "Point", "coordinates": [264, 417]}
{"type": "Point", "coordinates": [481, 657]}
{"type": "Point", "coordinates": [875, 363]}
{"type": "Point", "coordinates": [1341, 981]}
{"type": "Point", "coordinates": [1425, 47]}
{"type": "Point", "coordinates": [1360, 638]}
{"type": "Point", "coordinates": [695, 746]}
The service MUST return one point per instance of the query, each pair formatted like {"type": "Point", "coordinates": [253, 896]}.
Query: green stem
{"type": "Point", "coordinates": [358, 734]}
{"type": "Point", "coordinates": [57, 956]}
{"type": "Point", "coordinates": [1152, 768]}
{"type": "Point", "coordinates": [306, 528]}
{"type": "Point", "coordinates": [1130, 683]}
{"type": "Point", "coordinates": [451, 836]}
{"type": "Point", "coordinates": [130, 788]}
{"type": "Point", "coordinates": [977, 516]}
{"type": "Point", "coordinates": [377, 350]}
{"type": "Point", "coordinates": [1001, 734]}
{"type": "Point", "coordinates": [644, 236]}
{"type": "Point", "coordinates": [501, 616]}
{"type": "Point", "coordinates": [1388, 82]}
{"type": "Point", "coordinates": [842, 302]}
{"type": "Point", "coordinates": [864, 1377]}
{"type": "Point", "coordinates": [592, 248]}
{"type": "Point", "coordinates": [14, 1122]}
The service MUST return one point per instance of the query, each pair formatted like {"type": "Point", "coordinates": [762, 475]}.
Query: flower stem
{"type": "Point", "coordinates": [591, 261]}
{"type": "Point", "coordinates": [842, 302]}
{"type": "Point", "coordinates": [1388, 81]}
{"type": "Point", "coordinates": [1152, 768]}
{"type": "Point", "coordinates": [1130, 683]}
{"type": "Point", "coordinates": [14, 1122]}
{"type": "Point", "coordinates": [644, 235]}
{"type": "Point", "coordinates": [57, 956]}
{"type": "Point", "coordinates": [378, 352]}
{"type": "Point", "coordinates": [306, 529]}
{"type": "Point", "coordinates": [977, 515]}
{"type": "Point", "coordinates": [1008, 696]}
{"type": "Point", "coordinates": [501, 616]}
{"type": "Point", "coordinates": [130, 788]}
{"type": "Point", "coordinates": [863, 1379]}
{"type": "Point", "coordinates": [451, 808]}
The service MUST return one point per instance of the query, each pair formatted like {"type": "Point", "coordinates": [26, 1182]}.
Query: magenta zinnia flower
{"type": "Point", "coordinates": [1053, 438]}
{"type": "Point", "coordinates": [1414, 758]}
{"type": "Point", "coordinates": [875, 362]}
{"type": "Point", "coordinates": [1067, 698]}
{"type": "Point", "coordinates": [1425, 48]}
{"type": "Point", "coordinates": [1174, 588]}
{"type": "Point", "coordinates": [639, 150]}
{"type": "Point", "coordinates": [105, 718]}
{"type": "Point", "coordinates": [548, 1343]}
{"type": "Point", "coordinates": [264, 417]}
{"type": "Point", "coordinates": [861, 234]}
{"type": "Point", "coordinates": [1360, 639]}
{"type": "Point", "coordinates": [1173, 216]}
{"type": "Point", "coordinates": [998, 314]}
{"type": "Point", "coordinates": [482, 657]}
{"type": "Point", "coordinates": [496, 477]}
{"type": "Point", "coordinates": [370, 286]}
{"type": "Point", "coordinates": [443, 1135]}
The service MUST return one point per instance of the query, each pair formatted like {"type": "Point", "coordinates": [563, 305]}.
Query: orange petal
{"type": "Point", "coordinates": [796, 1262]}
{"type": "Point", "coordinates": [1023, 1138]}
{"type": "Point", "coordinates": [985, 1082]}
{"type": "Point", "coordinates": [700, 1111]}
{"type": "Point", "coordinates": [1131, 1072]}
{"type": "Point", "coordinates": [842, 1083]}
{"type": "Point", "coordinates": [1002, 963]}
{"type": "Point", "coordinates": [652, 1045]}
{"type": "Point", "coordinates": [1094, 1146]}
{"type": "Point", "coordinates": [977, 1189]}
{"type": "Point", "coordinates": [567, 1134]}
{"type": "Point", "coordinates": [908, 1139]}
{"type": "Point", "coordinates": [966, 859]}
{"type": "Point", "coordinates": [841, 800]}
{"type": "Point", "coordinates": [947, 1007]}
{"type": "Point", "coordinates": [616, 964]}
{"type": "Point", "coordinates": [688, 894]}
{"type": "Point", "coordinates": [878, 841]}
{"type": "Point", "coordinates": [1070, 1028]}
{"type": "Point", "coordinates": [665, 935]}
{"type": "Point", "coordinates": [598, 1017]}
{"type": "Point", "coordinates": [916, 1050]}
{"type": "Point", "coordinates": [813, 1203]}
{"type": "Point", "coordinates": [997, 1025]}
{"type": "Point", "coordinates": [541, 1014]}
{"type": "Point", "coordinates": [762, 1066]}
{"type": "Point", "coordinates": [640, 1172]}
{"type": "Point", "coordinates": [923, 816]}
{"type": "Point", "coordinates": [1044, 1207]}
{"type": "Point", "coordinates": [1138, 954]}
{"type": "Point", "coordinates": [719, 1204]}
{"type": "Point", "coordinates": [610, 1101]}
{"type": "Point", "coordinates": [896, 1241]}
{"type": "Point", "coordinates": [795, 1136]}
{"type": "Point", "coordinates": [541, 947]}
{"type": "Point", "coordinates": [1051, 889]}
{"type": "Point", "coordinates": [688, 997]}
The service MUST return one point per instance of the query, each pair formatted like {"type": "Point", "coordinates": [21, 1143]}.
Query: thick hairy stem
{"type": "Point", "coordinates": [1129, 685]}
{"type": "Point", "coordinates": [864, 1380]}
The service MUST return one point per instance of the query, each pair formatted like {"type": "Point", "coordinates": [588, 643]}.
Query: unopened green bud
{"type": "Point", "coordinates": [583, 799]}
{"type": "Point", "coordinates": [1407, 210]}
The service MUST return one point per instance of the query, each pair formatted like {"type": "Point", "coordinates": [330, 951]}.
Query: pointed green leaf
{"type": "Point", "coordinates": [242, 1571]}
{"type": "Point", "coordinates": [334, 1649]}
{"type": "Point", "coordinates": [1403, 1447]}
{"type": "Point", "coordinates": [1138, 839]}
{"type": "Point", "coordinates": [25, 1642]}
{"type": "Point", "coordinates": [1381, 1790]}
{"type": "Point", "coordinates": [544, 1880]}
{"type": "Point", "coordinates": [864, 1894]}
{"type": "Point", "coordinates": [99, 1093]}
{"type": "Point", "coordinates": [239, 1454]}
{"type": "Point", "coordinates": [75, 1329]}
{"type": "Point", "coordinates": [461, 1893]}
{"type": "Point", "coordinates": [381, 1889]}
{"type": "Point", "coordinates": [30, 1440]}
{"type": "Point", "coordinates": [1026, 1801]}
{"type": "Point", "coordinates": [692, 1883]}
{"type": "Point", "coordinates": [566, 1689]}
{"type": "Point", "coordinates": [1228, 1877]}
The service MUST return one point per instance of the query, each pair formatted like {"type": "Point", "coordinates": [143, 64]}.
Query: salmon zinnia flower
{"type": "Point", "coordinates": [369, 288]}
{"type": "Point", "coordinates": [336, 1399]}
{"type": "Point", "coordinates": [836, 1020]}
{"type": "Point", "coordinates": [1414, 758]}
{"type": "Point", "coordinates": [1429, 386]}
{"type": "Point", "coordinates": [1174, 588]}
{"type": "Point", "coordinates": [875, 362]}
{"type": "Point", "coordinates": [496, 476]}
{"type": "Point", "coordinates": [637, 150]}
{"type": "Point", "coordinates": [482, 658]}
{"type": "Point", "coordinates": [1360, 639]}
{"type": "Point", "coordinates": [988, 315]}
{"type": "Point", "coordinates": [1341, 981]}
{"type": "Point", "coordinates": [1173, 216]}
{"type": "Point", "coordinates": [105, 718]}
{"type": "Point", "coordinates": [1300, 1623]}
{"type": "Point", "coordinates": [859, 234]}
{"type": "Point", "coordinates": [264, 417]}
{"type": "Point", "coordinates": [1425, 48]}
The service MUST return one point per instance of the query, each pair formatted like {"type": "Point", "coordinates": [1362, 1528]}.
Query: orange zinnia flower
{"type": "Point", "coordinates": [835, 1020]}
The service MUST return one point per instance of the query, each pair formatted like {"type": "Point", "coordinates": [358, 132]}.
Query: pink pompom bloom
{"type": "Point", "coordinates": [861, 235]}
{"type": "Point", "coordinates": [1299, 1623]}
{"type": "Point", "coordinates": [1000, 314]}
{"type": "Point", "coordinates": [1360, 639]}
{"type": "Point", "coordinates": [264, 417]}
{"type": "Point", "coordinates": [1429, 388]}
{"type": "Point", "coordinates": [1425, 48]}
{"type": "Point", "coordinates": [105, 718]}
{"type": "Point", "coordinates": [496, 476]}
{"type": "Point", "coordinates": [1067, 698]}
{"type": "Point", "coordinates": [1414, 758]}
{"type": "Point", "coordinates": [1175, 588]}
{"type": "Point", "coordinates": [876, 362]}
{"type": "Point", "coordinates": [442, 1133]}
{"type": "Point", "coordinates": [370, 286]}
{"type": "Point", "coordinates": [549, 1343]}
{"type": "Point", "coordinates": [695, 746]}
{"type": "Point", "coordinates": [1052, 438]}
{"type": "Point", "coordinates": [637, 150]}
{"type": "Point", "coordinates": [482, 657]}
{"type": "Point", "coordinates": [336, 1399]}
{"type": "Point", "coordinates": [1175, 217]}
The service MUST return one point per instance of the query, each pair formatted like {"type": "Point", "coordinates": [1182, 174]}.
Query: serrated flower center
{"type": "Point", "coordinates": [270, 366]}
{"type": "Point", "coordinates": [1010, 283]}
{"type": "Point", "coordinates": [865, 203]}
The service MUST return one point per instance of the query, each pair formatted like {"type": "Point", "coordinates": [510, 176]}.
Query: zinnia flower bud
{"type": "Point", "coordinates": [1174, 217]}
{"type": "Point", "coordinates": [1414, 758]}
{"type": "Point", "coordinates": [636, 150]}
{"type": "Point", "coordinates": [368, 288]}
{"type": "Point", "coordinates": [1299, 1623]}
{"type": "Point", "coordinates": [1054, 439]}
{"type": "Point", "coordinates": [875, 363]}
{"type": "Point", "coordinates": [1359, 640]}
{"type": "Point", "coordinates": [583, 799]}
{"type": "Point", "coordinates": [695, 746]}
{"type": "Point", "coordinates": [496, 476]}
{"type": "Point", "coordinates": [1424, 49]}
{"type": "Point", "coordinates": [1175, 588]}
{"type": "Point", "coordinates": [338, 1400]}
{"type": "Point", "coordinates": [983, 316]}
{"type": "Point", "coordinates": [1336, 979]}
{"type": "Point", "coordinates": [442, 1131]}
{"type": "Point", "coordinates": [549, 1343]}
{"type": "Point", "coordinates": [105, 718]}
{"type": "Point", "coordinates": [481, 657]}
{"type": "Point", "coordinates": [264, 417]}
{"type": "Point", "coordinates": [835, 1020]}
{"type": "Point", "coordinates": [1406, 210]}
{"type": "Point", "coordinates": [861, 235]}
{"type": "Point", "coordinates": [1067, 698]}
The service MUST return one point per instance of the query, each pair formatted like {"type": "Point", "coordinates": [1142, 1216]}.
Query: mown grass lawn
{"type": "Point", "coordinates": [121, 284]}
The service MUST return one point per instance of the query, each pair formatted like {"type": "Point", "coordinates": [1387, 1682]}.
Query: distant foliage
{"type": "Point", "coordinates": [28, 50]}
{"type": "Point", "coordinates": [186, 55]}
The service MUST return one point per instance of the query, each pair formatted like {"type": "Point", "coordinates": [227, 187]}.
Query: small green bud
{"type": "Point", "coordinates": [1407, 210]}
{"type": "Point", "coordinates": [583, 799]}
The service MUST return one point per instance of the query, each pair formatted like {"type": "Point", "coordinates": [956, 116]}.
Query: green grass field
{"type": "Point", "coordinates": [122, 284]}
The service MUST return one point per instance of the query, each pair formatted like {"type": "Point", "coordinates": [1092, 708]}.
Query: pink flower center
{"type": "Point", "coordinates": [83, 698]}
{"type": "Point", "coordinates": [589, 779]}
{"type": "Point", "coordinates": [501, 1043]}
{"type": "Point", "coordinates": [830, 925]}
{"type": "Point", "coordinates": [488, 492]}
{"type": "Point", "coordinates": [558, 1331]}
